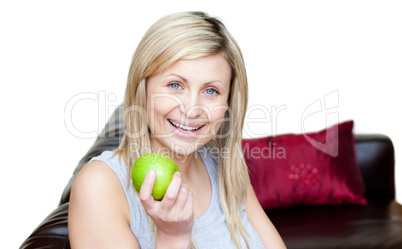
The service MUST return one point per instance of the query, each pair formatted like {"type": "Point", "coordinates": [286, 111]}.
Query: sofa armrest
{"type": "Point", "coordinates": [108, 139]}
{"type": "Point", "coordinates": [52, 232]}
{"type": "Point", "coordinates": [375, 156]}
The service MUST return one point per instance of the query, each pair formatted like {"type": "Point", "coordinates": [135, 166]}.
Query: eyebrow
{"type": "Point", "coordinates": [176, 75]}
{"type": "Point", "coordinates": [186, 81]}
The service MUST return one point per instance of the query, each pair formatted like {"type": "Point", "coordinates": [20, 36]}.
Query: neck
{"type": "Point", "coordinates": [186, 163]}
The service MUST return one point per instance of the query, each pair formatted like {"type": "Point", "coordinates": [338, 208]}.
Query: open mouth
{"type": "Point", "coordinates": [183, 128]}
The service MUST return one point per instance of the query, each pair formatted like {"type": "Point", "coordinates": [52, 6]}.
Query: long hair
{"type": "Point", "coordinates": [190, 35]}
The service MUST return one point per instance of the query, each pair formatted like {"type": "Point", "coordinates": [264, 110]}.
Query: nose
{"type": "Point", "coordinates": [191, 107]}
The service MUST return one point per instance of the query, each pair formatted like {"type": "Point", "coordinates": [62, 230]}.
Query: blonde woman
{"type": "Point", "coordinates": [186, 97]}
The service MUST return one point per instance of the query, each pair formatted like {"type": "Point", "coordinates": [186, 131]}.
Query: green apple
{"type": "Point", "coordinates": [162, 165]}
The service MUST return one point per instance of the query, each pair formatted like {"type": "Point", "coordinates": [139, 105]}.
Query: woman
{"type": "Point", "coordinates": [186, 97]}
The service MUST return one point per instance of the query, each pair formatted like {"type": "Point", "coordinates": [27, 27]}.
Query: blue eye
{"type": "Point", "coordinates": [174, 86]}
{"type": "Point", "coordinates": [211, 91]}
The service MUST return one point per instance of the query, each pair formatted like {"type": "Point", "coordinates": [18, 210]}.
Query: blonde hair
{"type": "Point", "coordinates": [190, 35]}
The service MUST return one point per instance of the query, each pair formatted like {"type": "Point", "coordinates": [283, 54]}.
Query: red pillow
{"type": "Point", "coordinates": [306, 169]}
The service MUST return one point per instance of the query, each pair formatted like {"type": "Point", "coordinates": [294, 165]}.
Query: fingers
{"type": "Point", "coordinates": [182, 196]}
{"type": "Point", "coordinates": [172, 191]}
{"type": "Point", "coordinates": [146, 189]}
{"type": "Point", "coordinates": [178, 197]}
{"type": "Point", "coordinates": [190, 203]}
{"type": "Point", "coordinates": [189, 207]}
{"type": "Point", "coordinates": [177, 202]}
{"type": "Point", "coordinates": [186, 202]}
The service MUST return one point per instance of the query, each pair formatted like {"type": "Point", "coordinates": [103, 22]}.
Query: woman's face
{"type": "Point", "coordinates": [186, 103]}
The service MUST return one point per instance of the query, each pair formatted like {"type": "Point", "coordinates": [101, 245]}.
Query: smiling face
{"type": "Point", "coordinates": [187, 102]}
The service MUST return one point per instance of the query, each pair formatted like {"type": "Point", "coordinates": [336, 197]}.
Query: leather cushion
{"type": "Point", "coordinates": [377, 225]}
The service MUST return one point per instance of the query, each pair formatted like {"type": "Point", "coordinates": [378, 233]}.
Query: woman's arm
{"type": "Point", "coordinates": [99, 215]}
{"type": "Point", "coordinates": [261, 223]}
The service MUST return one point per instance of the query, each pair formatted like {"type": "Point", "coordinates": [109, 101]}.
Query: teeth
{"type": "Point", "coordinates": [183, 127]}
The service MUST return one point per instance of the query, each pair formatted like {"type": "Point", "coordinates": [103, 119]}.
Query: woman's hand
{"type": "Point", "coordinates": [174, 215]}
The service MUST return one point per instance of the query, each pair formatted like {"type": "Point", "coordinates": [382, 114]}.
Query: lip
{"type": "Point", "coordinates": [185, 123]}
{"type": "Point", "coordinates": [178, 132]}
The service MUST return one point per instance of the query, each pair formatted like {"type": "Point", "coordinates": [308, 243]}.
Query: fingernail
{"type": "Point", "coordinates": [177, 173]}
{"type": "Point", "coordinates": [151, 173]}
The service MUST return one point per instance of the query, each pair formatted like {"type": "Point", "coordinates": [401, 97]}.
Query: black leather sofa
{"type": "Point", "coordinates": [377, 225]}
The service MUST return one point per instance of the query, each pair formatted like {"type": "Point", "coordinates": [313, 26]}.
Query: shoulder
{"type": "Point", "coordinates": [210, 157]}
{"type": "Point", "coordinates": [209, 153]}
{"type": "Point", "coordinates": [96, 187]}
{"type": "Point", "coordinates": [95, 176]}
{"type": "Point", "coordinates": [97, 204]}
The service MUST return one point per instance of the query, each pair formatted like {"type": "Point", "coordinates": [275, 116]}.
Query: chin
{"type": "Point", "coordinates": [185, 148]}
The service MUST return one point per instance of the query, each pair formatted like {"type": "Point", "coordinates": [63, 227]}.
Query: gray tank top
{"type": "Point", "coordinates": [209, 231]}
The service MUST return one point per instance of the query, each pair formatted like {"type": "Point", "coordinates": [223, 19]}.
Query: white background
{"type": "Point", "coordinates": [296, 52]}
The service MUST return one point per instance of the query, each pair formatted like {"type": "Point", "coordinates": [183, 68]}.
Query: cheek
{"type": "Point", "coordinates": [159, 105]}
{"type": "Point", "coordinates": [218, 116]}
